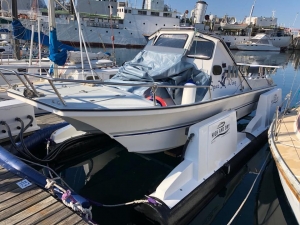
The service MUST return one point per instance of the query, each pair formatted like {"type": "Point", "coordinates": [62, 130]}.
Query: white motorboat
{"type": "Point", "coordinates": [260, 42]}
{"type": "Point", "coordinates": [189, 75]}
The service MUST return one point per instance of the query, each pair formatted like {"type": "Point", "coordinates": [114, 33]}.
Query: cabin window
{"type": "Point", "coordinates": [154, 13]}
{"type": "Point", "coordinates": [142, 12]}
{"type": "Point", "coordinates": [201, 48]}
{"type": "Point", "coordinates": [260, 41]}
{"type": "Point", "coordinates": [217, 70]}
{"type": "Point", "coordinates": [172, 40]}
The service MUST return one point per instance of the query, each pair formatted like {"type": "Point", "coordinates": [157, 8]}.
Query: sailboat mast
{"type": "Point", "coordinates": [251, 11]}
{"type": "Point", "coordinates": [16, 43]}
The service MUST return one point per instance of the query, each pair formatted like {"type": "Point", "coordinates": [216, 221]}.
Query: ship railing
{"type": "Point", "coordinates": [273, 137]}
{"type": "Point", "coordinates": [29, 85]}
{"type": "Point", "coordinates": [280, 113]}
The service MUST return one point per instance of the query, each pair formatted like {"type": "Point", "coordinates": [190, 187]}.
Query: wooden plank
{"type": "Point", "coordinates": [59, 216]}
{"type": "Point", "coordinates": [8, 180]}
{"type": "Point", "coordinates": [82, 222]}
{"type": "Point", "coordinates": [8, 187]}
{"type": "Point", "coordinates": [72, 219]}
{"type": "Point", "coordinates": [12, 192]}
{"type": "Point", "coordinates": [48, 119]}
{"type": "Point", "coordinates": [3, 171]}
{"type": "Point", "coordinates": [43, 214]}
{"type": "Point", "coordinates": [29, 211]}
{"type": "Point", "coordinates": [20, 202]}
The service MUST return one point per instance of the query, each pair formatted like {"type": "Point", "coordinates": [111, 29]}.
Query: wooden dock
{"type": "Point", "coordinates": [31, 205]}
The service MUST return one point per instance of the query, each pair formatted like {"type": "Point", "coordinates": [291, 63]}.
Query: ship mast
{"type": "Point", "coordinates": [251, 11]}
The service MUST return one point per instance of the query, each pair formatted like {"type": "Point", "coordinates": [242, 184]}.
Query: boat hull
{"type": "Point", "coordinates": [192, 204]}
{"type": "Point", "coordinates": [288, 179]}
{"type": "Point", "coordinates": [150, 130]}
{"type": "Point", "coordinates": [281, 42]}
{"type": "Point", "coordinates": [255, 47]}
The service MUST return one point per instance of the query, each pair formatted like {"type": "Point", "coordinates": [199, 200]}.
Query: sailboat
{"type": "Point", "coordinates": [284, 141]}
{"type": "Point", "coordinates": [181, 77]}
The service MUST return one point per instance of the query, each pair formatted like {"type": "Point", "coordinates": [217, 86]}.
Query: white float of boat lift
{"type": "Point", "coordinates": [9, 111]}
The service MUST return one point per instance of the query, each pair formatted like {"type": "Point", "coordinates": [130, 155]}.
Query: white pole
{"type": "Point", "coordinates": [52, 26]}
{"type": "Point", "coordinates": [251, 12]}
{"type": "Point", "coordinates": [31, 44]}
{"type": "Point", "coordinates": [83, 40]}
{"type": "Point", "coordinates": [39, 43]}
{"type": "Point", "coordinates": [80, 42]}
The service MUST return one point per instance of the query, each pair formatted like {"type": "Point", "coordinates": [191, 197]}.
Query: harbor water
{"type": "Point", "coordinates": [253, 196]}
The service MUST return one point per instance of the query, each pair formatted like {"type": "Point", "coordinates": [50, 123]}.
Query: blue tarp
{"type": "Point", "coordinates": [20, 32]}
{"type": "Point", "coordinates": [56, 56]}
{"type": "Point", "coordinates": [4, 31]}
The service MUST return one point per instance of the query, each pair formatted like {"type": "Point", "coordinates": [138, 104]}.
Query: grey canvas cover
{"type": "Point", "coordinates": [152, 66]}
{"type": "Point", "coordinates": [161, 67]}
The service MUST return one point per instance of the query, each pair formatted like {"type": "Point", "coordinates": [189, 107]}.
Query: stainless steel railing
{"type": "Point", "coordinates": [153, 85]}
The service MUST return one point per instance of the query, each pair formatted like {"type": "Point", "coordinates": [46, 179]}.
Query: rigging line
{"type": "Point", "coordinates": [244, 201]}
{"type": "Point", "coordinates": [296, 72]}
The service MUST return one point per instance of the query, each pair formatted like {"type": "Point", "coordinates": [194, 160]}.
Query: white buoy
{"type": "Point", "coordinates": [189, 94]}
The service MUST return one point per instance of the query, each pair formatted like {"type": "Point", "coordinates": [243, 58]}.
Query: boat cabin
{"type": "Point", "coordinates": [182, 57]}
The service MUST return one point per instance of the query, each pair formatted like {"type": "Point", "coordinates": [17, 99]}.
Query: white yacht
{"type": "Point", "coordinates": [233, 32]}
{"type": "Point", "coordinates": [260, 42]}
{"type": "Point", "coordinates": [181, 77]}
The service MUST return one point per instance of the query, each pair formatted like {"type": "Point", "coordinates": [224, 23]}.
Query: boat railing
{"type": "Point", "coordinates": [273, 137]}
{"type": "Point", "coordinates": [45, 69]}
{"type": "Point", "coordinates": [280, 113]}
{"type": "Point", "coordinates": [30, 86]}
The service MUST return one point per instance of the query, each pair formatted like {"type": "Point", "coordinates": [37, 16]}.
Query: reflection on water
{"type": "Point", "coordinates": [262, 57]}
{"type": "Point", "coordinates": [262, 207]}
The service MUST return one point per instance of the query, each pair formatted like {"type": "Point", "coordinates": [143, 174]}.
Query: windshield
{"type": "Point", "coordinates": [261, 41]}
{"type": "Point", "coordinates": [171, 40]}
{"type": "Point", "coordinates": [201, 48]}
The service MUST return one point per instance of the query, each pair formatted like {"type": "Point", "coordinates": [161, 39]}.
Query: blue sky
{"type": "Point", "coordinates": [285, 10]}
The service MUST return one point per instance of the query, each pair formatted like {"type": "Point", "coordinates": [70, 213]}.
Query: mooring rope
{"type": "Point", "coordinates": [244, 201]}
